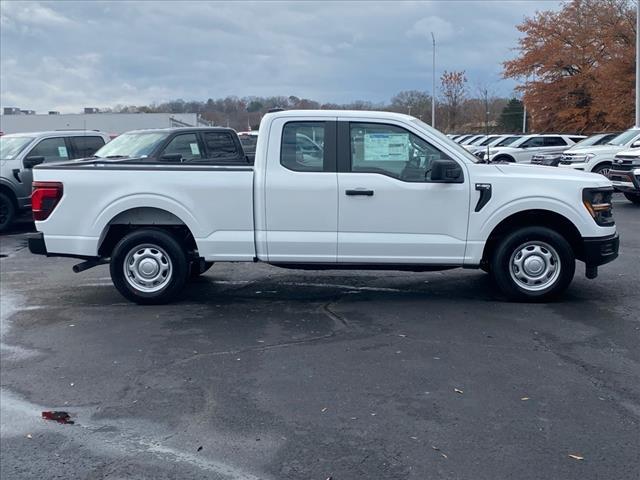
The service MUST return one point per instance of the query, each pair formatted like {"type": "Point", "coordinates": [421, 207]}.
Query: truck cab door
{"type": "Point", "coordinates": [301, 191]}
{"type": "Point", "coordinates": [390, 211]}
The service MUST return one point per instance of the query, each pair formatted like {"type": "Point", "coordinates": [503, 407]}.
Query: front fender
{"type": "Point", "coordinates": [581, 220]}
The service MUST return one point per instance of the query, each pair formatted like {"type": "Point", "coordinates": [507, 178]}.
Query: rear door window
{"type": "Point", "coordinates": [221, 147]}
{"type": "Point", "coordinates": [303, 147]}
{"type": "Point", "coordinates": [554, 142]}
{"type": "Point", "coordinates": [52, 149]}
{"type": "Point", "coordinates": [83, 147]}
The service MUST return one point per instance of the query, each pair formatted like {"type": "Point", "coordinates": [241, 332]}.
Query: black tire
{"type": "Point", "coordinates": [7, 212]}
{"type": "Point", "coordinates": [157, 251]}
{"type": "Point", "coordinates": [549, 255]}
{"type": "Point", "coordinates": [633, 197]}
{"type": "Point", "coordinates": [602, 169]}
{"type": "Point", "coordinates": [198, 267]}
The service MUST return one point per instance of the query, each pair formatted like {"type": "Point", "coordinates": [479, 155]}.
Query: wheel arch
{"type": "Point", "coordinates": [8, 191]}
{"type": "Point", "coordinates": [536, 217]}
{"type": "Point", "coordinates": [135, 218]}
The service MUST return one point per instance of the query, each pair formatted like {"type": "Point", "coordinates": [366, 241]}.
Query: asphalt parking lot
{"type": "Point", "coordinates": [262, 373]}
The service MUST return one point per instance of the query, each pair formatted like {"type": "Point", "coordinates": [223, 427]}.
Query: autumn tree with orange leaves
{"type": "Point", "coordinates": [578, 66]}
{"type": "Point", "coordinates": [453, 89]}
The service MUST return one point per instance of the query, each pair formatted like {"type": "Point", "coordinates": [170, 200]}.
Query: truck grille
{"type": "Point", "coordinates": [624, 163]}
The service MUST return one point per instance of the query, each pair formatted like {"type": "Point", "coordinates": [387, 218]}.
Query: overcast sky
{"type": "Point", "coordinates": [67, 55]}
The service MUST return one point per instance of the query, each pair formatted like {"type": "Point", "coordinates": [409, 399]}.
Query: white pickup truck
{"type": "Point", "coordinates": [329, 189]}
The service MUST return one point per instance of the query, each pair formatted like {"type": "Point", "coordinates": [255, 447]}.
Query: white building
{"type": "Point", "coordinates": [115, 123]}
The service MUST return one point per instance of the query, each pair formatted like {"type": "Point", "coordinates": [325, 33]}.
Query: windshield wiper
{"type": "Point", "coordinates": [117, 156]}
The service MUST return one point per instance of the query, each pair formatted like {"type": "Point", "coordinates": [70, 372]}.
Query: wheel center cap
{"type": "Point", "coordinates": [148, 267]}
{"type": "Point", "coordinates": [534, 265]}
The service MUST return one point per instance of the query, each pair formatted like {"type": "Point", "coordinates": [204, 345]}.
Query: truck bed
{"type": "Point", "coordinates": [98, 193]}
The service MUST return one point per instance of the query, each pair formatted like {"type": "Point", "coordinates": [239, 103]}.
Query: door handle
{"type": "Point", "coordinates": [359, 191]}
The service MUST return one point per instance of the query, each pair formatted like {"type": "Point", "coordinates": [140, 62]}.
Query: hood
{"type": "Point", "coordinates": [546, 173]}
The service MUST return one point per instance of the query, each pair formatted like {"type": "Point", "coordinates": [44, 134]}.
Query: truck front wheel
{"type": "Point", "coordinates": [533, 263]}
{"type": "Point", "coordinates": [149, 267]}
{"type": "Point", "coordinates": [7, 212]}
{"type": "Point", "coordinates": [633, 197]}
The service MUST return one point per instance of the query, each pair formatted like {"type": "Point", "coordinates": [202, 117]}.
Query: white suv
{"type": "Point", "coordinates": [598, 159]}
{"type": "Point", "coordinates": [523, 149]}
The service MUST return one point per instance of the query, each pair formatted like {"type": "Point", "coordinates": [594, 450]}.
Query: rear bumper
{"type": "Point", "coordinates": [36, 244]}
{"type": "Point", "coordinates": [600, 250]}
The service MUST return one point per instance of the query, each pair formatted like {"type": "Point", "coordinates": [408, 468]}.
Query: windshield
{"type": "Point", "coordinates": [625, 137]}
{"type": "Point", "coordinates": [593, 140]}
{"type": "Point", "coordinates": [487, 140]}
{"type": "Point", "coordinates": [135, 144]}
{"type": "Point", "coordinates": [10, 147]}
{"type": "Point", "coordinates": [443, 138]}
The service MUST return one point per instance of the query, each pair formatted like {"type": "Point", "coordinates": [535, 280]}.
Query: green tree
{"type": "Point", "coordinates": [511, 116]}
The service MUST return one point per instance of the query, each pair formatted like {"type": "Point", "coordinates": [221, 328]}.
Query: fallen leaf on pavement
{"type": "Point", "coordinates": [576, 457]}
{"type": "Point", "coordinates": [60, 417]}
{"type": "Point", "coordinates": [458, 391]}
{"type": "Point", "coordinates": [524, 399]}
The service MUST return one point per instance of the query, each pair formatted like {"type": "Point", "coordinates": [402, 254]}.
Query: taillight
{"type": "Point", "coordinates": [44, 199]}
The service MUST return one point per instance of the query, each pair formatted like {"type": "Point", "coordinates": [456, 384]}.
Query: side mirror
{"type": "Point", "coordinates": [636, 144]}
{"type": "Point", "coordinates": [172, 157]}
{"type": "Point", "coordinates": [446, 171]}
{"type": "Point", "coordinates": [31, 162]}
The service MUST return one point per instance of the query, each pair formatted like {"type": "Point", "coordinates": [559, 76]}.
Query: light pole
{"type": "Point", "coordinates": [433, 84]}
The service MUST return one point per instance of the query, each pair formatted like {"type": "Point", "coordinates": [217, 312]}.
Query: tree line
{"type": "Point", "coordinates": [575, 67]}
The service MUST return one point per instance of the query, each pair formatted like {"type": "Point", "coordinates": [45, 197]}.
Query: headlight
{"type": "Point", "coordinates": [598, 202]}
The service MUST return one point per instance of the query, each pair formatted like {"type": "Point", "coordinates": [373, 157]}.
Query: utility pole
{"type": "Point", "coordinates": [638, 64]}
{"type": "Point", "coordinates": [524, 117]}
{"type": "Point", "coordinates": [433, 84]}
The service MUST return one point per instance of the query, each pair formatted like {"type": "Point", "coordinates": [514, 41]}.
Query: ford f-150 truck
{"type": "Point", "coordinates": [328, 189]}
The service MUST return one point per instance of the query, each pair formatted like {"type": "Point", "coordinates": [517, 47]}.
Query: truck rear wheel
{"type": "Point", "coordinates": [149, 267]}
{"type": "Point", "coordinates": [533, 263]}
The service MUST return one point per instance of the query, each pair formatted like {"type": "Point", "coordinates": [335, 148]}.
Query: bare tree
{"type": "Point", "coordinates": [453, 88]}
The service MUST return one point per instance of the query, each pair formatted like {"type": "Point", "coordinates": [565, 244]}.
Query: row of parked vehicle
{"type": "Point", "coordinates": [614, 154]}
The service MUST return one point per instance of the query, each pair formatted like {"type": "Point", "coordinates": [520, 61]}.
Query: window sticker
{"type": "Point", "coordinates": [386, 146]}
{"type": "Point", "coordinates": [62, 152]}
{"type": "Point", "coordinates": [194, 149]}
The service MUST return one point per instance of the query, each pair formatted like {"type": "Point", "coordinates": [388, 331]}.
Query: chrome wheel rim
{"type": "Point", "coordinates": [604, 171]}
{"type": "Point", "coordinates": [534, 266]}
{"type": "Point", "coordinates": [147, 268]}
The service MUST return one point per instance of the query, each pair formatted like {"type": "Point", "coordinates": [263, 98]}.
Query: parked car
{"type": "Point", "coordinates": [493, 141]}
{"type": "Point", "coordinates": [20, 152]}
{"type": "Point", "coordinates": [523, 149]}
{"type": "Point", "coordinates": [599, 158]}
{"type": "Point", "coordinates": [176, 145]}
{"type": "Point", "coordinates": [553, 159]}
{"type": "Point", "coordinates": [471, 139]}
{"type": "Point", "coordinates": [625, 174]}
{"type": "Point", "coordinates": [356, 208]}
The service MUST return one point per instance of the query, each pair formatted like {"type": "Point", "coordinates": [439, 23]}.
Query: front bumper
{"type": "Point", "coordinates": [625, 180]}
{"type": "Point", "coordinates": [600, 250]}
{"type": "Point", "coordinates": [573, 165]}
{"type": "Point", "coordinates": [36, 244]}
